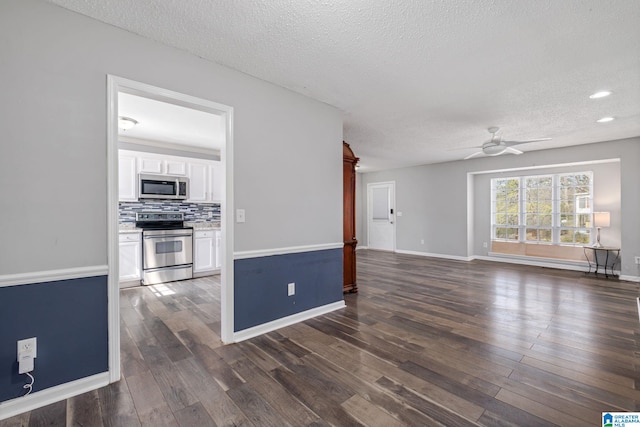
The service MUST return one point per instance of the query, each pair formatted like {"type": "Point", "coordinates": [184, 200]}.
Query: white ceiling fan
{"type": "Point", "coordinates": [497, 146]}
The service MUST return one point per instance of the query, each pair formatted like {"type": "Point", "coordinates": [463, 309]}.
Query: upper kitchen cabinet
{"type": "Point", "coordinates": [127, 177]}
{"type": "Point", "coordinates": [159, 165]}
{"type": "Point", "coordinates": [205, 184]}
{"type": "Point", "coordinates": [205, 176]}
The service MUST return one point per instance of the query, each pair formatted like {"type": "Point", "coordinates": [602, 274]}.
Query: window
{"type": "Point", "coordinates": [543, 208]}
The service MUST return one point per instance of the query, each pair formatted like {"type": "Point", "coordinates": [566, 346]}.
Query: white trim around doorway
{"type": "Point", "coordinates": [117, 84]}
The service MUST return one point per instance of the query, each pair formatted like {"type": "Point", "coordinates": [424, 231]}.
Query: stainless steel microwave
{"type": "Point", "coordinates": [163, 187]}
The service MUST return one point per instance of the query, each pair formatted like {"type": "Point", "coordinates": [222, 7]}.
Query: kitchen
{"type": "Point", "coordinates": [170, 191]}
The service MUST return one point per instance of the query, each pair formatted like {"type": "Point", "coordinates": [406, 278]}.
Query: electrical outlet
{"type": "Point", "coordinates": [484, 244]}
{"type": "Point", "coordinates": [638, 260]}
{"type": "Point", "coordinates": [291, 289]}
{"type": "Point", "coordinates": [27, 351]}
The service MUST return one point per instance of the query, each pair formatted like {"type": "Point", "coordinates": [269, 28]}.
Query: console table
{"type": "Point", "coordinates": [603, 257]}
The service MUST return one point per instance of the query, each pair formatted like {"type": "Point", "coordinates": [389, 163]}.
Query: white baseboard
{"type": "Point", "coordinates": [361, 247]}
{"type": "Point", "coordinates": [51, 395]}
{"type": "Point", "coordinates": [52, 275]}
{"type": "Point", "coordinates": [629, 278]}
{"type": "Point", "coordinates": [427, 254]}
{"type": "Point", "coordinates": [245, 334]}
{"type": "Point", "coordinates": [537, 262]}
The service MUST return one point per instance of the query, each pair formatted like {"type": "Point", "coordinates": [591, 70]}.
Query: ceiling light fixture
{"type": "Point", "coordinates": [600, 94]}
{"type": "Point", "coordinates": [606, 119]}
{"type": "Point", "coordinates": [126, 123]}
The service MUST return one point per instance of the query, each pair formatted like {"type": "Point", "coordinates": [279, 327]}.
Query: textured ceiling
{"type": "Point", "coordinates": [419, 79]}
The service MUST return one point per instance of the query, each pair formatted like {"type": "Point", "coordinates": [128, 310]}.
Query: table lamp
{"type": "Point", "coordinates": [600, 219]}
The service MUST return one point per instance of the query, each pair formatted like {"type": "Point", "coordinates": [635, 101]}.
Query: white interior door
{"type": "Point", "coordinates": [381, 216]}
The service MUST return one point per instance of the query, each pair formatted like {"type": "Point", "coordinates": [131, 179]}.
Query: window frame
{"type": "Point", "coordinates": [556, 211]}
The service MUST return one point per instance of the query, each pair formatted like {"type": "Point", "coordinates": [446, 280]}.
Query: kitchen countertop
{"type": "Point", "coordinates": [203, 225]}
{"type": "Point", "coordinates": [130, 227]}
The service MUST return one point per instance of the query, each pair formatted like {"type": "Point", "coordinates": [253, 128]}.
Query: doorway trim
{"type": "Point", "coordinates": [394, 216]}
{"type": "Point", "coordinates": [117, 84]}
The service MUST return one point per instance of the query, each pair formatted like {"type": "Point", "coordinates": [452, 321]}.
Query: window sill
{"type": "Point", "coordinates": [545, 251]}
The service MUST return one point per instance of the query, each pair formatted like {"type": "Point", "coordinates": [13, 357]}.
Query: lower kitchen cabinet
{"type": "Point", "coordinates": [206, 252]}
{"type": "Point", "coordinates": [130, 259]}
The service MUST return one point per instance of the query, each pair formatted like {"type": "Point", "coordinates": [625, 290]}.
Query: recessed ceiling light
{"type": "Point", "coordinates": [126, 123]}
{"type": "Point", "coordinates": [600, 94]}
{"type": "Point", "coordinates": [605, 120]}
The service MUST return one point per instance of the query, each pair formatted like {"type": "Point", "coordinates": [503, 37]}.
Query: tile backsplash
{"type": "Point", "coordinates": [193, 212]}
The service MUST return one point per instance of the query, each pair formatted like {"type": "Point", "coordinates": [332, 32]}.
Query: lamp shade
{"type": "Point", "coordinates": [601, 219]}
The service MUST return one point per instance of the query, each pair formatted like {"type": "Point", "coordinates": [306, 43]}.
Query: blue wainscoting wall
{"type": "Point", "coordinates": [69, 320]}
{"type": "Point", "coordinates": [260, 291]}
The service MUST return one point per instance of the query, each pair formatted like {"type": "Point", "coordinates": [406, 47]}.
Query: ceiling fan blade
{"type": "Point", "coordinates": [476, 154]}
{"type": "Point", "coordinates": [463, 148]}
{"type": "Point", "coordinates": [511, 150]}
{"type": "Point", "coordinates": [510, 143]}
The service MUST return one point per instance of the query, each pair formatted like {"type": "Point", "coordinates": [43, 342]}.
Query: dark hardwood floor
{"type": "Point", "coordinates": [425, 342]}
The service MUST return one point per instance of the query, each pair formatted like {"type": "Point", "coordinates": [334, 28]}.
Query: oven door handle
{"type": "Point", "coordinates": [169, 236]}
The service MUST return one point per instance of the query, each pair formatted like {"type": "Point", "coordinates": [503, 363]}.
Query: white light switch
{"type": "Point", "coordinates": [399, 213]}
{"type": "Point", "coordinates": [291, 289]}
{"type": "Point", "coordinates": [239, 215]}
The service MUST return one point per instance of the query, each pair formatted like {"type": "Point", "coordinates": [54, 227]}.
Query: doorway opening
{"type": "Point", "coordinates": [211, 112]}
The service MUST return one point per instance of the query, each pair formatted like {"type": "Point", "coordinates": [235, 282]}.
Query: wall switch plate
{"type": "Point", "coordinates": [27, 351]}
{"type": "Point", "coordinates": [240, 215]}
{"type": "Point", "coordinates": [422, 241]}
{"type": "Point", "coordinates": [399, 214]}
{"type": "Point", "coordinates": [291, 289]}
{"type": "Point", "coordinates": [485, 245]}
{"type": "Point", "coordinates": [638, 260]}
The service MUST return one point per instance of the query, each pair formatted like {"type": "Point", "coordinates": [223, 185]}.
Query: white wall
{"type": "Point", "coordinates": [53, 191]}
{"type": "Point", "coordinates": [433, 198]}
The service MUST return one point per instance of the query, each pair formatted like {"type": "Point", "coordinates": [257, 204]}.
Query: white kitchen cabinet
{"type": "Point", "coordinates": [149, 164]}
{"type": "Point", "coordinates": [127, 178]}
{"type": "Point", "coordinates": [215, 181]}
{"type": "Point", "coordinates": [205, 182]}
{"type": "Point", "coordinates": [130, 259]}
{"type": "Point", "coordinates": [205, 257]}
{"type": "Point", "coordinates": [175, 167]}
{"type": "Point", "coordinates": [160, 164]}
{"type": "Point", "coordinates": [198, 182]}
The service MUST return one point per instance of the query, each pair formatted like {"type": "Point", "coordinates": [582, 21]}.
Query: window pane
{"type": "Point", "coordinates": [512, 233]}
{"type": "Point", "coordinates": [501, 219]}
{"type": "Point", "coordinates": [566, 236]}
{"type": "Point", "coordinates": [545, 220]}
{"type": "Point", "coordinates": [584, 220]}
{"type": "Point", "coordinates": [380, 203]}
{"type": "Point", "coordinates": [531, 219]}
{"type": "Point", "coordinates": [567, 206]}
{"type": "Point", "coordinates": [532, 234]}
{"type": "Point", "coordinates": [583, 236]}
{"type": "Point", "coordinates": [544, 234]}
{"type": "Point", "coordinates": [567, 220]}
{"type": "Point", "coordinates": [512, 219]}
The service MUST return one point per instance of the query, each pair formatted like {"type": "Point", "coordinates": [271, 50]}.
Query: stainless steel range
{"type": "Point", "coordinates": [167, 247]}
